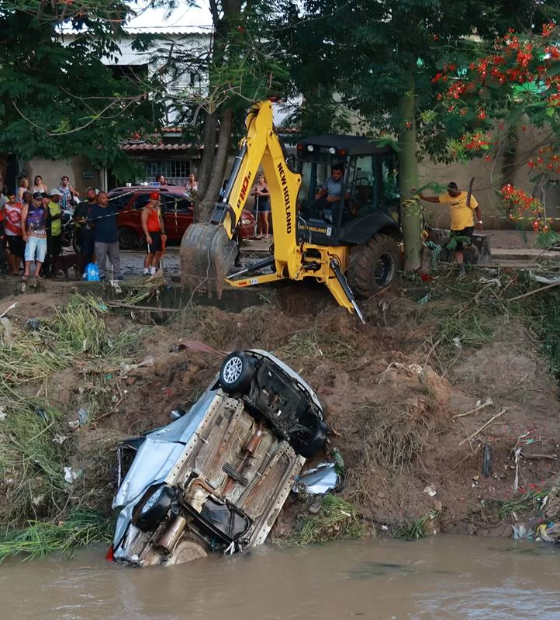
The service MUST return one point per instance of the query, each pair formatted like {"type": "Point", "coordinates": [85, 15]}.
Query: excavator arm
{"type": "Point", "coordinates": [208, 251]}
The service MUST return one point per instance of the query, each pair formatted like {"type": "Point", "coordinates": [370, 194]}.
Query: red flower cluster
{"type": "Point", "coordinates": [548, 29]}
{"type": "Point", "coordinates": [513, 61]}
{"type": "Point", "coordinates": [547, 161]}
{"type": "Point", "coordinates": [476, 141]}
{"type": "Point", "coordinates": [520, 205]}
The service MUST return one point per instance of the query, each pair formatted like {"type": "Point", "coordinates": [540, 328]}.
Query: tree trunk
{"type": "Point", "coordinates": [218, 168]}
{"type": "Point", "coordinates": [207, 161]}
{"type": "Point", "coordinates": [208, 153]}
{"type": "Point", "coordinates": [408, 175]}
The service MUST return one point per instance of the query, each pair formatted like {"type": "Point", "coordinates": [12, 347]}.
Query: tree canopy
{"type": "Point", "coordinates": [57, 97]}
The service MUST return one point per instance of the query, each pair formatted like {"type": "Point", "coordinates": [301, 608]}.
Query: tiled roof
{"type": "Point", "coordinates": [156, 147]}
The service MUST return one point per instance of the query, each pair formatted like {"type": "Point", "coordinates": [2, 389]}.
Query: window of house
{"type": "Point", "coordinates": [134, 73]}
{"type": "Point", "coordinates": [174, 170]}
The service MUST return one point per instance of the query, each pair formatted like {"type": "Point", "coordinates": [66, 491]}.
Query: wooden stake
{"type": "Point", "coordinates": [479, 408]}
{"type": "Point", "coordinates": [539, 290]}
{"type": "Point", "coordinates": [471, 437]}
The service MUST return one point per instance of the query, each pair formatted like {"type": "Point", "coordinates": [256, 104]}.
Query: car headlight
{"type": "Point", "coordinates": [155, 508]}
{"type": "Point", "coordinates": [152, 501]}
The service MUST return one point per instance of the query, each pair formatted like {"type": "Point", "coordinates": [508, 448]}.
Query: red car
{"type": "Point", "coordinates": [176, 208]}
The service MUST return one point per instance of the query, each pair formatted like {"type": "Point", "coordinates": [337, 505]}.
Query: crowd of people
{"type": "Point", "coordinates": [31, 231]}
{"type": "Point", "coordinates": [31, 227]}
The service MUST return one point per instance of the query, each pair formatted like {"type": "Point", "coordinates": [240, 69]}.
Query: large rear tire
{"type": "Point", "coordinates": [373, 265]}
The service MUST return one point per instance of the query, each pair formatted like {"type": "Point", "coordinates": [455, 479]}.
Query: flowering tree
{"type": "Point", "coordinates": [513, 86]}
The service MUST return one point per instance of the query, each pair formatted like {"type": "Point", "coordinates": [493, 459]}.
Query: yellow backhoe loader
{"type": "Point", "coordinates": [350, 244]}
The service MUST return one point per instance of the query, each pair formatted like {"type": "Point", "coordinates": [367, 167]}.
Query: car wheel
{"type": "Point", "coordinates": [186, 551]}
{"type": "Point", "coordinates": [237, 373]}
{"type": "Point", "coordinates": [128, 239]}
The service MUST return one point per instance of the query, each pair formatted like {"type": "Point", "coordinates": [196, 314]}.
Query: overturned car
{"type": "Point", "coordinates": [216, 478]}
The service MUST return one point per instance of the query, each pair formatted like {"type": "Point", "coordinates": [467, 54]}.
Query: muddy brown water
{"type": "Point", "coordinates": [444, 577]}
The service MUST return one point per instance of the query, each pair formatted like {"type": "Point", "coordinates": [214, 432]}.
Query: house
{"type": "Point", "coordinates": [168, 153]}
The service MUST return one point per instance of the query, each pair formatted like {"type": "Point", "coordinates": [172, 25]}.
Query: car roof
{"type": "Point", "coordinates": [180, 189]}
{"type": "Point", "coordinates": [353, 145]}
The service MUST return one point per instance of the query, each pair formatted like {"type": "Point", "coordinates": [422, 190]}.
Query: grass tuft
{"type": "Point", "coordinates": [31, 464]}
{"type": "Point", "coordinates": [336, 520]}
{"type": "Point", "coordinates": [316, 342]}
{"type": "Point", "coordinates": [524, 503]}
{"type": "Point", "coordinates": [417, 529]}
{"type": "Point", "coordinates": [396, 438]}
{"type": "Point", "coordinates": [39, 539]}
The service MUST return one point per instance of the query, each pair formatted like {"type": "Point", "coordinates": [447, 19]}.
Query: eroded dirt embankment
{"type": "Point", "coordinates": [392, 391]}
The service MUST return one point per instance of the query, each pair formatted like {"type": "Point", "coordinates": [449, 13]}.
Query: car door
{"type": "Point", "coordinates": [177, 211]}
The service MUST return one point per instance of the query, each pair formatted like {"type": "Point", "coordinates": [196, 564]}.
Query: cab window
{"type": "Point", "coordinates": [390, 181]}
{"type": "Point", "coordinates": [363, 184]}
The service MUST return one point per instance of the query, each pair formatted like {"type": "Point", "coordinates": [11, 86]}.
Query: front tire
{"type": "Point", "coordinates": [128, 239]}
{"type": "Point", "coordinates": [237, 372]}
{"type": "Point", "coordinates": [373, 265]}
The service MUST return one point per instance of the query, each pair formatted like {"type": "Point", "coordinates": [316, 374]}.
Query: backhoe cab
{"type": "Point", "coordinates": [342, 232]}
{"type": "Point", "coordinates": [365, 217]}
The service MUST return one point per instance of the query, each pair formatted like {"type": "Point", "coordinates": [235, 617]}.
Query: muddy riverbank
{"type": "Point", "coordinates": [395, 391]}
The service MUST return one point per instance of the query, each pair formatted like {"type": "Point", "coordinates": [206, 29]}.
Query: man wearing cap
{"type": "Point", "coordinates": [54, 231]}
{"type": "Point", "coordinates": [105, 227]}
{"type": "Point", "coordinates": [34, 227]}
{"type": "Point", "coordinates": [461, 206]}
{"type": "Point", "coordinates": [152, 225]}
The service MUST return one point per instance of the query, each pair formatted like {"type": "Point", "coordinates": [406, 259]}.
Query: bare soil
{"type": "Point", "coordinates": [389, 399]}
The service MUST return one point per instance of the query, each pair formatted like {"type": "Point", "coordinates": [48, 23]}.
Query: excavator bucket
{"type": "Point", "coordinates": [207, 256]}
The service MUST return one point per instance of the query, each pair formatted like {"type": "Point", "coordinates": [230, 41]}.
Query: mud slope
{"type": "Point", "coordinates": [389, 398]}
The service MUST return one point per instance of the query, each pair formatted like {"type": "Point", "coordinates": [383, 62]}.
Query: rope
{"type": "Point", "coordinates": [436, 251]}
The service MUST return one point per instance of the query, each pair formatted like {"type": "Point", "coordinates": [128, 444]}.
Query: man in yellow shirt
{"type": "Point", "coordinates": [54, 232]}
{"type": "Point", "coordinates": [462, 207]}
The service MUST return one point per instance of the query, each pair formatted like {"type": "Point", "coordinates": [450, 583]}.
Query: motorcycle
{"type": "Point", "coordinates": [67, 220]}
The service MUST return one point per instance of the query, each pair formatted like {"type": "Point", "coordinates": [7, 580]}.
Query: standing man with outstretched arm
{"type": "Point", "coordinates": [462, 206]}
{"type": "Point", "coordinates": [103, 218]}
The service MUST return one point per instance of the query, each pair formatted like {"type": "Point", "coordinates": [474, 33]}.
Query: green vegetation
{"type": "Point", "coordinates": [80, 328]}
{"type": "Point", "coordinates": [39, 539]}
{"type": "Point", "coordinates": [417, 529]}
{"type": "Point", "coordinates": [36, 445]}
{"type": "Point", "coordinates": [31, 464]}
{"type": "Point", "coordinates": [471, 328]}
{"type": "Point", "coordinates": [541, 314]}
{"type": "Point", "coordinates": [337, 519]}
{"type": "Point", "coordinates": [523, 503]}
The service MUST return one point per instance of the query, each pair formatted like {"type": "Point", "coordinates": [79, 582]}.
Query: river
{"type": "Point", "coordinates": [444, 577]}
